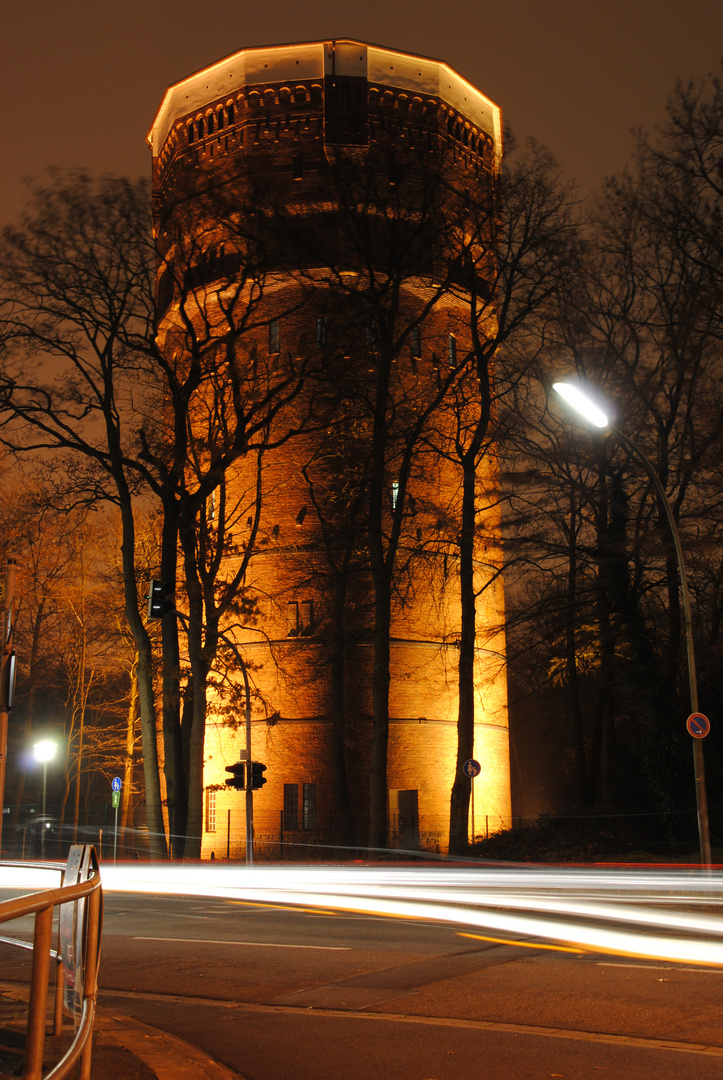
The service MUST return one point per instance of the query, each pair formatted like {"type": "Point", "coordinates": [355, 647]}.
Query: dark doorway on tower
{"type": "Point", "coordinates": [404, 819]}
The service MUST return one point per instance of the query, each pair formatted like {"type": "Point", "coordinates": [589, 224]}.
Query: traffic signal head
{"type": "Point", "coordinates": [257, 774]}
{"type": "Point", "coordinates": [237, 779]}
{"type": "Point", "coordinates": [158, 605]}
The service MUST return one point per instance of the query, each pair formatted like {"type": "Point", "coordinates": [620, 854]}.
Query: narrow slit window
{"type": "Point", "coordinates": [274, 337]}
{"type": "Point", "coordinates": [309, 816]}
{"type": "Point", "coordinates": [210, 811]}
{"type": "Point", "coordinates": [321, 330]}
{"type": "Point", "coordinates": [416, 345]}
{"type": "Point", "coordinates": [452, 351]}
{"type": "Point", "coordinates": [291, 807]}
{"type": "Point", "coordinates": [395, 494]}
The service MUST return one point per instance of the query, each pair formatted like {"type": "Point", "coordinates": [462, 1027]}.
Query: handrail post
{"type": "Point", "coordinates": [58, 1008]}
{"type": "Point", "coordinates": [90, 975]}
{"type": "Point", "coordinates": [35, 1046]}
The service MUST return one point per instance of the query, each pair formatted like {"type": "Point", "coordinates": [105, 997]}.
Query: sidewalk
{"type": "Point", "coordinates": [123, 1049]}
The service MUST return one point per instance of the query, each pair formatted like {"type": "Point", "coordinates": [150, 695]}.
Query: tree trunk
{"type": "Point", "coordinates": [461, 787]}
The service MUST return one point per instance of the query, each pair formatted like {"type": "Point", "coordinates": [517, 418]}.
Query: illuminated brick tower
{"type": "Point", "coordinates": [283, 135]}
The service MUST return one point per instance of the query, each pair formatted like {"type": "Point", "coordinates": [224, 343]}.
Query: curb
{"type": "Point", "coordinates": [169, 1057]}
{"type": "Point", "coordinates": [165, 1055]}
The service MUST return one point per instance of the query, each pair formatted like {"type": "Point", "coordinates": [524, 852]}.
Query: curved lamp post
{"type": "Point", "coordinates": [44, 752]}
{"type": "Point", "coordinates": [591, 412]}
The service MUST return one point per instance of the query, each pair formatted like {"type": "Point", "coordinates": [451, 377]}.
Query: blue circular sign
{"type": "Point", "coordinates": [471, 768]}
{"type": "Point", "coordinates": [698, 725]}
{"type": "Point", "coordinates": [116, 783]}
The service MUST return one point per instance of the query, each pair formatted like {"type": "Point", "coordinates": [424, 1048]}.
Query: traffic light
{"type": "Point", "coordinates": [257, 774]}
{"type": "Point", "coordinates": [157, 603]}
{"type": "Point", "coordinates": [238, 778]}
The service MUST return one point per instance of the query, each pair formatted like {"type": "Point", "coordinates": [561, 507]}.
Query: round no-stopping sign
{"type": "Point", "coordinates": [698, 725]}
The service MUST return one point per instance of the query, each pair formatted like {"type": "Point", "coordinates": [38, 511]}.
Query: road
{"type": "Point", "coordinates": [285, 994]}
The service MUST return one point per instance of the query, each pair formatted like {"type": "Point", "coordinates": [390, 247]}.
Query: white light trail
{"type": "Point", "coordinates": [629, 913]}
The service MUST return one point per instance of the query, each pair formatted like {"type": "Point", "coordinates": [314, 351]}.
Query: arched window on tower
{"type": "Point", "coordinates": [190, 130]}
{"type": "Point", "coordinates": [219, 119]}
{"type": "Point", "coordinates": [230, 112]}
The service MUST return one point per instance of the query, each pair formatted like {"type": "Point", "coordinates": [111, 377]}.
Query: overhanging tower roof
{"type": "Point", "coordinates": [315, 60]}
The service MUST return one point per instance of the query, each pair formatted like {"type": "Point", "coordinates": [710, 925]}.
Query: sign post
{"type": "Point", "coordinates": [115, 802]}
{"type": "Point", "coordinates": [472, 768]}
{"type": "Point", "coordinates": [7, 670]}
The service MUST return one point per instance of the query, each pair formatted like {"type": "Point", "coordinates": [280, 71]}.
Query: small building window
{"type": "Point", "coordinates": [300, 95]}
{"type": "Point", "coordinates": [229, 113]}
{"type": "Point", "coordinates": [291, 807]}
{"type": "Point", "coordinates": [190, 131]}
{"type": "Point", "coordinates": [416, 342]}
{"type": "Point", "coordinates": [452, 351]}
{"type": "Point", "coordinates": [292, 618]}
{"type": "Point", "coordinates": [297, 167]}
{"type": "Point", "coordinates": [210, 123]}
{"type": "Point", "coordinates": [306, 616]}
{"type": "Point", "coordinates": [395, 494]}
{"type": "Point", "coordinates": [200, 128]}
{"type": "Point", "coordinates": [274, 337]}
{"type": "Point", "coordinates": [308, 809]}
{"type": "Point", "coordinates": [322, 327]}
{"type": "Point", "coordinates": [219, 119]}
{"type": "Point", "coordinates": [299, 617]}
{"type": "Point", "coordinates": [210, 810]}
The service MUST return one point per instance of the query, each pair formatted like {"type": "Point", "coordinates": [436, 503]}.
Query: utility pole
{"type": "Point", "coordinates": [7, 675]}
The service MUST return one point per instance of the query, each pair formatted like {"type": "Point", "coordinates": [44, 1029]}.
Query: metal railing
{"type": "Point", "coordinates": [76, 961]}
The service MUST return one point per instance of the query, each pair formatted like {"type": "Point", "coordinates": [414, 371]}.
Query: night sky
{"type": "Point", "coordinates": [80, 81]}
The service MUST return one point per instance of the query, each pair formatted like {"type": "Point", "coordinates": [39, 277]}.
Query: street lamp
{"type": "Point", "coordinates": [44, 752]}
{"type": "Point", "coordinates": [590, 411]}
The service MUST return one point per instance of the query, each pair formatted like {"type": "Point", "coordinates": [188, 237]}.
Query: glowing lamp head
{"type": "Point", "coordinates": [45, 750]}
{"type": "Point", "coordinates": [581, 403]}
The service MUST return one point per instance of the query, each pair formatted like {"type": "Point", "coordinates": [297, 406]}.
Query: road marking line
{"type": "Point", "coordinates": [522, 944]}
{"type": "Point", "coordinates": [258, 944]}
{"type": "Point", "coordinates": [659, 967]}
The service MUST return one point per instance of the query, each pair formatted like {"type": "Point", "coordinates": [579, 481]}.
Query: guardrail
{"type": "Point", "coordinates": [80, 899]}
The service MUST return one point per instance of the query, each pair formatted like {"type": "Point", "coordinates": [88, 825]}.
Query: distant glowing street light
{"type": "Point", "coordinates": [579, 400]}
{"type": "Point", "coordinates": [44, 751]}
